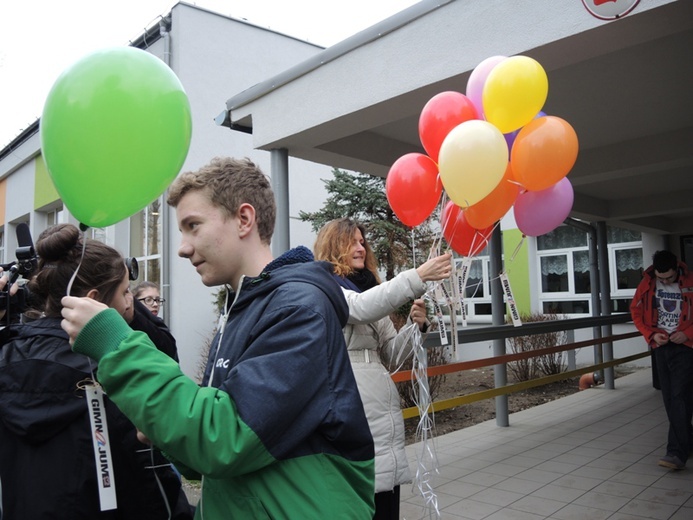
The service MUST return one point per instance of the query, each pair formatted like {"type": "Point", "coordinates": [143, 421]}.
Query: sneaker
{"type": "Point", "coordinates": [671, 462]}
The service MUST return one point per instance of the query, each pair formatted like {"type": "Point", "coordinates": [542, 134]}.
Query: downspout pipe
{"type": "Point", "coordinates": [589, 380]}
{"type": "Point", "coordinates": [164, 28]}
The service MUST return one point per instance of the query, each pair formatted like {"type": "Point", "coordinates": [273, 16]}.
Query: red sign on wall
{"type": "Point", "coordinates": [609, 9]}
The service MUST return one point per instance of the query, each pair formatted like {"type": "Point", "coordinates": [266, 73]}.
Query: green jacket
{"type": "Point", "coordinates": [284, 436]}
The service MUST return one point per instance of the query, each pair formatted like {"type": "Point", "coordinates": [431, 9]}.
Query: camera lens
{"type": "Point", "coordinates": [133, 268]}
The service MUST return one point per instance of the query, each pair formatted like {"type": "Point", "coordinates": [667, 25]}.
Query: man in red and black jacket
{"type": "Point", "coordinates": [662, 310]}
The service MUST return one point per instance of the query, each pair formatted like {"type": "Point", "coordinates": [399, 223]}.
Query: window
{"type": "Point", "coordinates": [564, 269]}
{"type": "Point", "coordinates": [145, 242]}
{"type": "Point", "coordinates": [477, 293]}
{"type": "Point", "coordinates": [54, 217]}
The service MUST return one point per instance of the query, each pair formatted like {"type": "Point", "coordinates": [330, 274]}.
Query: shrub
{"type": "Point", "coordinates": [546, 364]}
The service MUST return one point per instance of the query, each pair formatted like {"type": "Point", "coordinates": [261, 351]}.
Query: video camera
{"type": "Point", "coordinates": [26, 264]}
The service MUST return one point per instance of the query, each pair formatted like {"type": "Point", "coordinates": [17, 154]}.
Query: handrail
{"type": "Point", "coordinates": [497, 360]}
{"type": "Point", "coordinates": [474, 334]}
{"type": "Point", "coordinates": [494, 392]}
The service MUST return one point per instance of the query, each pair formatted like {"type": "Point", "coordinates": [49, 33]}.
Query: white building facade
{"type": "Point", "coordinates": [210, 54]}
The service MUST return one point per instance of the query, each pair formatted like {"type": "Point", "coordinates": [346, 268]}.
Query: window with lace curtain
{"type": "Point", "coordinates": [564, 269]}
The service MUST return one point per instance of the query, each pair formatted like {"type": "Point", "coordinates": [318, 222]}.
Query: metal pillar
{"type": "Point", "coordinates": [594, 282]}
{"type": "Point", "coordinates": [605, 287]}
{"type": "Point", "coordinates": [500, 372]}
{"type": "Point", "coordinates": [280, 185]}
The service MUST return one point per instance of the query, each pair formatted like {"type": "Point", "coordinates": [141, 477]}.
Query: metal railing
{"type": "Point", "coordinates": [527, 329]}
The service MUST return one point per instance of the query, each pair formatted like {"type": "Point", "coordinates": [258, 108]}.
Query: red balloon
{"type": "Point", "coordinates": [413, 188]}
{"type": "Point", "coordinates": [460, 236]}
{"type": "Point", "coordinates": [442, 113]}
{"type": "Point", "coordinates": [496, 204]}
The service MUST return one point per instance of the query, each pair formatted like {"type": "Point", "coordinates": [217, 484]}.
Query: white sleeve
{"type": "Point", "coordinates": [382, 300]}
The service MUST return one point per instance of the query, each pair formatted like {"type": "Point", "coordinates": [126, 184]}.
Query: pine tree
{"type": "Point", "coordinates": [362, 198]}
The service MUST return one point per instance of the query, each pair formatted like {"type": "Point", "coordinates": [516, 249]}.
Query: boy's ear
{"type": "Point", "coordinates": [246, 219]}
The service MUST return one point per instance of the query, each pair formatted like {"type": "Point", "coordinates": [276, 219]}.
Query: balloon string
{"type": "Point", "coordinates": [74, 275]}
{"type": "Point", "coordinates": [426, 458]}
{"type": "Point", "coordinates": [517, 249]}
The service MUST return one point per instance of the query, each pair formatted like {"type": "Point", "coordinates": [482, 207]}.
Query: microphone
{"type": "Point", "coordinates": [26, 254]}
{"type": "Point", "coordinates": [24, 236]}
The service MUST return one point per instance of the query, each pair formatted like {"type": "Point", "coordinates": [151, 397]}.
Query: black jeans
{"type": "Point", "coordinates": [387, 505]}
{"type": "Point", "coordinates": [675, 373]}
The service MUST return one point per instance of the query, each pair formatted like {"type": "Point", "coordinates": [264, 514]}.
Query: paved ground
{"type": "Point", "coordinates": [589, 456]}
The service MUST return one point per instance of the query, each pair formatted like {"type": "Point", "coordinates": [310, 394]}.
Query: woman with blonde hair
{"type": "Point", "coordinates": [373, 341]}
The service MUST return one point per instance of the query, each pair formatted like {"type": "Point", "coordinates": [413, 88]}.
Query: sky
{"type": "Point", "coordinates": [39, 39]}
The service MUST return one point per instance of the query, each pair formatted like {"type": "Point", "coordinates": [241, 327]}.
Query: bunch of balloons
{"type": "Point", "coordinates": [491, 149]}
{"type": "Point", "coordinates": [115, 131]}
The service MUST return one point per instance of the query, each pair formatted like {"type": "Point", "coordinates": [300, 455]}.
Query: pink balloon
{"type": "Point", "coordinates": [477, 79]}
{"type": "Point", "coordinates": [538, 212]}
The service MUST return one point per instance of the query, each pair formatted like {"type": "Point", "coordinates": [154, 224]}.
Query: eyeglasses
{"type": "Point", "coordinates": [149, 300]}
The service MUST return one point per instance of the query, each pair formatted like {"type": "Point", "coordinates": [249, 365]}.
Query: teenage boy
{"type": "Point", "coordinates": [662, 311]}
{"type": "Point", "coordinates": [277, 428]}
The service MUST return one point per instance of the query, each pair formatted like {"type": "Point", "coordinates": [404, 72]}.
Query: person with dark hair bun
{"type": "Point", "coordinates": [48, 465]}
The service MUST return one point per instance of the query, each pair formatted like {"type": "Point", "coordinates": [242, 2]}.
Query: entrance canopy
{"type": "Point", "coordinates": [626, 87]}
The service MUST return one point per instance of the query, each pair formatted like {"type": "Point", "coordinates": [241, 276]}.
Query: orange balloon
{"type": "Point", "coordinates": [496, 204]}
{"type": "Point", "coordinates": [543, 153]}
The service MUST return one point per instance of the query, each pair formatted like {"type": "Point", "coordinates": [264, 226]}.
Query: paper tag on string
{"type": "Point", "coordinates": [438, 294]}
{"type": "Point", "coordinates": [461, 283]}
{"type": "Point", "coordinates": [514, 314]}
{"type": "Point", "coordinates": [102, 447]}
{"type": "Point", "coordinates": [442, 332]}
{"type": "Point", "coordinates": [446, 296]}
{"type": "Point", "coordinates": [464, 272]}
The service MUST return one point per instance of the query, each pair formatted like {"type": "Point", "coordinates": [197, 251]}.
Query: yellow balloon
{"type": "Point", "coordinates": [514, 93]}
{"type": "Point", "coordinates": [472, 161]}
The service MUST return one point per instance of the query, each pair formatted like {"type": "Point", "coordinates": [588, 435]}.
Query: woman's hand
{"type": "Point", "coordinates": [418, 314]}
{"type": "Point", "coordinates": [437, 268]}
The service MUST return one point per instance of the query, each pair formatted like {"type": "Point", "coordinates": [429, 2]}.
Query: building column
{"type": "Point", "coordinates": [280, 185]}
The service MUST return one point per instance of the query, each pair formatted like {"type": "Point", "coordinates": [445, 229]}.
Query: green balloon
{"type": "Point", "coordinates": [115, 131]}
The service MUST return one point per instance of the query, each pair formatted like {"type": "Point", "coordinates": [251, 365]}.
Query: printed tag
{"type": "Point", "coordinates": [102, 447]}
{"type": "Point", "coordinates": [441, 323]}
{"type": "Point", "coordinates": [514, 314]}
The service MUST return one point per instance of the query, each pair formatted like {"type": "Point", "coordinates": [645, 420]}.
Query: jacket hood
{"type": "Point", "coordinates": [295, 265]}
{"type": "Point", "coordinates": [38, 377]}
